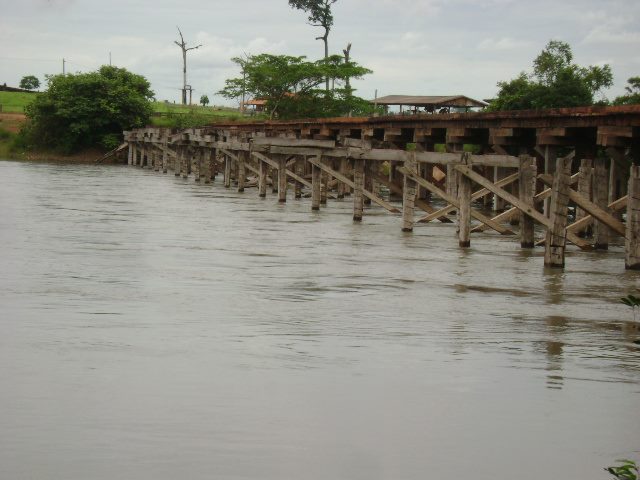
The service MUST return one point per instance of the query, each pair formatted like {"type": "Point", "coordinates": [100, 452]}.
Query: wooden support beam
{"type": "Point", "coordinates": [274, 164]}
{"type": "Point", "coordinates": [394, 187]}
{"type": "Point", "coordinates": [342, 178]}
{"type": "Point", "coordinates": [454, 201]}
{"type": "Point", "coordinates": [600, 192]}
{"type": "Point", "coordinates": [316, 179]}
{"type": "Point", "coordinates": [464, 217]}
{"type": "Point", "coordinates": [409, 193]}
{"type": "Point", "coordinates": [632, 234]}
{"type": "Point", "coordinates": [527, 183]}
{"type": "Point", "coordinates": [242, 173]}
{"type": "Point", "coordinates": [262, 178]}
{"type": "Point", "coordinates": [358, 189]}
{"type": "Point", "coordinates": [556, 237]}
{"type": "Point", "coordinates": [513, 200]}
{"type": "Point", "coordinates": [439, 214]}
{"type": "Point", "coordinates": [227, 170]}
{"type": "Point", "coordinates": [585, 182]}
{"type": "Point", "coordinates": [282, 179]}
{"type": "Point", "coordinates": [593, 209]}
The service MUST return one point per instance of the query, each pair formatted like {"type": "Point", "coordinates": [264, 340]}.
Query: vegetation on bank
{"type": "Point", "coordinates": [85, 110]}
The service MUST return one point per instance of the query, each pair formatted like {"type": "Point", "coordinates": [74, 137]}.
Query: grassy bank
{"type": "Point", "coordinates": [14, 102]}
{"type": "Point", "coordinates": [172, 115]}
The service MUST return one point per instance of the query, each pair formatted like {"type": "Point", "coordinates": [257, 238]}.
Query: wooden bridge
{"type": "Point", "coordinates": [495, 171]}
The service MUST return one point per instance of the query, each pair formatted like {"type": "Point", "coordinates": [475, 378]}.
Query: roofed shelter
{"type": "Point", "coordinates": [430, 104]}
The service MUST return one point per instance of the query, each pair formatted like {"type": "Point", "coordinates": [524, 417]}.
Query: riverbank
{"type": "Point", "coordinates": [10, 124]}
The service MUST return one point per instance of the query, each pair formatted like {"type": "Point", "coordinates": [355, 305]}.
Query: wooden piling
{"type": "Point", "coordinates": [464, 212]}
{"type": "Point", "coordinates": [585, 182]}
{"type": "Point", "coordinates": [600, 192]}
{"type": "Point", "coordinates": [262, 179]}
{"type": "Point", "coordinates": [632, 236]}
{"type": "Point", "coordinates": [206, 165]}
{"type": "Point", "coordinates": [550, 158]}
{"type": "Point", "coordinates": [343, 170]}
{"type": "Point", "coordinates": [527, 188]}
{"type": "Point", "coordinates": [186, 162]}
{"type": "Point", "coordinates": [130, 151]}
{"type": "Point", "coordinates": [358, 196]}
{"type": "Point", "coordinates": [368, 180]}
{"type": "Point", "coordinates": [408, 193]}
{"type": "Point", "coordinates": [282, 179]}
{"type": "Point", "coordinates": [165, 160]}
{"type": "Point", "coordinates": [298, 170]}
{"type": "Point", "coordinates": [556, 237]}
{"type": "Point", "coordinates": [316, 179]}
{"type": "Point", "coordinates": [227, 171]}
{"type": "Point", "coordinates": [242, 173]}
{"type": "Point", "coordinates": [177, 160]}
{"type": "Point", "coordinates": [324, 186]}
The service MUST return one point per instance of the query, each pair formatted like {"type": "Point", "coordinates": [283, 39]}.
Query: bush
{"type": "Point", "coordinates": [88, 109]}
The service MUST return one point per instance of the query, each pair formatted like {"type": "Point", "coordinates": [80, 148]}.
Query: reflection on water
{"type": "Point", "coordinates": [155, 328]}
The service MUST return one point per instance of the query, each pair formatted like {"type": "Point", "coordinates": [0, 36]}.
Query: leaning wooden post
{"type": "Point", "coordinates": [550, 159]}
{"type": "Point", "coordinates": [464, 198]}
{"type": "Point", "coordinates": [556, 237]}
{"type": "Point", "coordinates": [409, 189]}
{"type": "Point", "coordinates": [358, 183]}
{"type": "Point", "coordinates": [316, 179]}
{"type": "Point", "coordinates": [227, 171]}
{"type": "Point", "coordinates": [130, 154]}
{"type": "Point", "coordinates": [527, 188]}
{"type": "Point", "coordinates": [242, 174]}
{"type": "Point", "coordinates": [600, 198]}
{"type": "Point", "coordinates": [632, 237]}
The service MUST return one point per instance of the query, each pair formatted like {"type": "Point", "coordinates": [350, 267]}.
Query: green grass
{"type": "Point", "coordinates": [173, 115]}
{"type": "Point", "coordinates": [15, 101]}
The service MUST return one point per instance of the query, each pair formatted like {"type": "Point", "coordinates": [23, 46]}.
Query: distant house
{"type": "Point", "coordinates": [254, 105]}
{"type": "Point", "coordinates": [430, 104]}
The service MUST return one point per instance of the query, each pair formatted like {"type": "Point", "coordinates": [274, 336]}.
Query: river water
{"type": "Point", "coordinates": [153, 328]}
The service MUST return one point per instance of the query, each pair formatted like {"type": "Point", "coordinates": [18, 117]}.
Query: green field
{"type": "Point", "coordinates": [15, 101]}
{"type": "Point", "coordinates": [165, 114]}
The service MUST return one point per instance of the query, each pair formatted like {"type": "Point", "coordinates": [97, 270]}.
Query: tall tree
{"type": "Point", "coordinates": [555, 82]}
{"type": "Point", "coordinates": [183, 47]}
{"type": "Point", "coordinates": [320, 15]}
{"type": "Point", "coordinates": [290, 84]}
{"type": "Point", "coordinates": [29, 82]}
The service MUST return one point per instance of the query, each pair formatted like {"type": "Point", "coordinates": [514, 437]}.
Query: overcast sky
{"type": "Point", "coordinates": [414, 47]}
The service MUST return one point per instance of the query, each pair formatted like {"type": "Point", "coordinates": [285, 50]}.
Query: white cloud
{"type": "Point", "coordinates": [504, 43]}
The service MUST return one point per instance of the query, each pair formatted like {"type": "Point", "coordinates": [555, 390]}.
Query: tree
{"type": "Point", "coordinates": [320, 15]}
{"type": "Point", "coordinates": [288, 83]}
{"type": "Point", "coordinates": [633, 93]}
{"type": "Point", "coordinates": [29, 82]}
{"type": "Point", "coordinates": [555, 82]}
{"type": "Point", "coordinates": [204, 100]}
{"type": "Point", "coordinates": [88, 109]}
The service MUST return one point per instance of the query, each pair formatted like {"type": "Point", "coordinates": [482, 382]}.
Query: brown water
{"type": "Point", "coordinates": [152, 328]}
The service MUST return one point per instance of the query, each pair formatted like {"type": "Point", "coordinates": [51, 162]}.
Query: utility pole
{"type": "Point", "coordinates": [63, 70]}
{"type": "Point", "coordinates": [109, 58]}
{"type": "Point", "coordinates": [184, 48]}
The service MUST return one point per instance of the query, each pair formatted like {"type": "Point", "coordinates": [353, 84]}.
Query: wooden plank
{"type": "Point", "coordinates": [346, 180]}
{"type": "Point", "coordinates": [556, 235]}
{"type": "Point", "coordinates": [454, 201]}
{"type": "Point", "coordinates": [595, 211]}
{"type": "Point", "coordinates": [513, 200]}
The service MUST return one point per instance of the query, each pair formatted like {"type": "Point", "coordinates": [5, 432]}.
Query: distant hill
{"type": "Point", "coordinates": [4, 88]}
